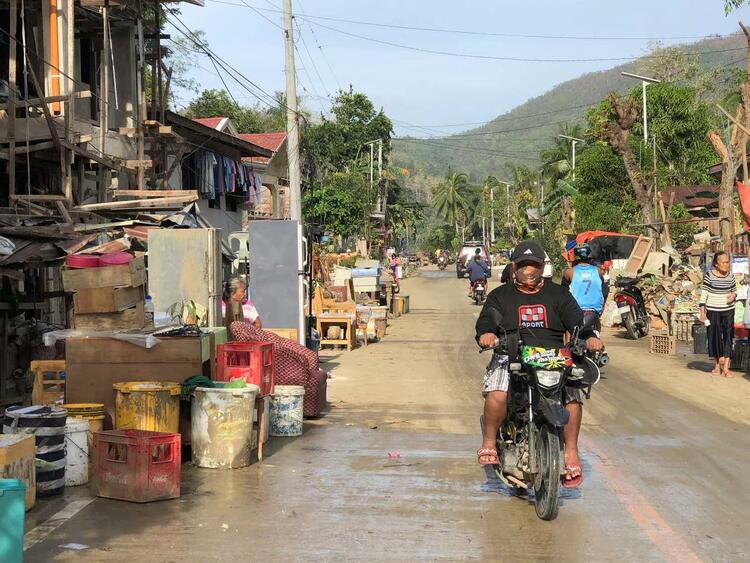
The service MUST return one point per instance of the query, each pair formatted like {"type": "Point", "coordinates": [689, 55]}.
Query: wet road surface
{"type": "Point", "coordinates": [665, 480]}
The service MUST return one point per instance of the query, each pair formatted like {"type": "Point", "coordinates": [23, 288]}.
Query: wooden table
{"type": "Point", "coordinates": [346, 322]}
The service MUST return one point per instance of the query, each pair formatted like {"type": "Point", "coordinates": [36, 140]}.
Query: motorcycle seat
{"type": "Point", "coordinates": [625, 282]}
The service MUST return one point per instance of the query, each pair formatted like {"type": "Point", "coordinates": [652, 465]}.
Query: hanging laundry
{"type": "Point", "coordinates": [228, 175]}
{"type": "Point", "coordinates": [219, 175]}
{"type": "Point", "coordinates": [206, 163]}
{"type": "Point", "coordinates": [258, 184]}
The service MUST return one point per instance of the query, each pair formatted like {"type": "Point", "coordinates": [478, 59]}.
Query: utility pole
{"type": "Point", "coordinates": [492, 212]}
{"type": "Point", "coordinates": [292, 118]}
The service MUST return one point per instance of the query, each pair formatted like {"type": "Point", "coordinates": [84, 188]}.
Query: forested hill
{"type": "Point", "coordinates": [519, 134]}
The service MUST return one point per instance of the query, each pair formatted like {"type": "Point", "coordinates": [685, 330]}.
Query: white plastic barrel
{"type": "Point", "coordinates": [286, 410]}
{"type": "Point", "coordinates": [222, 426]}
{"type": "Point", "coordinates": [76, 451]}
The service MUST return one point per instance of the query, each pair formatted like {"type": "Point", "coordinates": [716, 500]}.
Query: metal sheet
{"type": "Point", "coordinates": [185, 264]}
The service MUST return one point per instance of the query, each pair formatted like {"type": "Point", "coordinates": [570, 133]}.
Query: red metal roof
{"type": "Point", "coordinates": [270, 141]}
{"type": "Point", "coordinates": [212, 122]}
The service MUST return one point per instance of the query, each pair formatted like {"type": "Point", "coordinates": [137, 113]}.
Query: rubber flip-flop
{"type": "Point", "coordinates": [576, 481]}
{"type": "Point", "coordinates": [487, 452]}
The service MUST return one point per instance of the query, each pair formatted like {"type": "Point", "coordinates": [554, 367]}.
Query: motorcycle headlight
{"type": "Point", "coordinates": [548, 378]}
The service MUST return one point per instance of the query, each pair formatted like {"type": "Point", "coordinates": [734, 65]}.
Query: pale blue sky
{"type": "Point", "coordinates": [427, 89]}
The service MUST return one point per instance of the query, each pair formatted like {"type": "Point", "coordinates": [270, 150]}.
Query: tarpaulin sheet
{"type": "Point", "coordinates": [744, 192]}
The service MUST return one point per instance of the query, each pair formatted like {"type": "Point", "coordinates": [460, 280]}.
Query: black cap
{"type": "Point", "coordinates": [528, 251]}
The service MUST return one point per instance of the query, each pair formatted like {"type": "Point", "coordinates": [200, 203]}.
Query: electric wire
{"type": "Point", "coordinates": [482, 33]}
{"type": "Point", "coordinates": [510, 59]}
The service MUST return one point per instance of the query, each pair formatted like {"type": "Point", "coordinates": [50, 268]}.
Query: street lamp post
{"type": "Point", "coordinates": [574, 141]}
{"type": "Point", "coordinates": [645, 81]}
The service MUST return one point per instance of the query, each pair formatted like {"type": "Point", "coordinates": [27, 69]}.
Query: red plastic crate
{"type": "Point", "coordinates": [136, 465]}
{"type": "Point", "coordinates": [251, 361]}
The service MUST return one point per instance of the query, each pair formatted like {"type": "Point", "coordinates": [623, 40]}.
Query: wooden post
{"type": "Point", "coordinates": [70, 109]}
{"type": "Point", "coordinates": [12, 91]}
{"type": "Point", "coordinates": [104, 102]}
{"type": "Point", "coordinates": [141, 99]}
{"type": "Point", "coordinates": [666, 238]}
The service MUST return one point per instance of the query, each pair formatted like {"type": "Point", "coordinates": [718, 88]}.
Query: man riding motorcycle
{"type": "Point", "coordinates": [586, 281]}
{"type": "Point", "coordinates": [542, 311]}
{"type": "Point", "coordinates": [477, 270]}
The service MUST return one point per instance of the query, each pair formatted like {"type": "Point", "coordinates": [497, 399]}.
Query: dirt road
{"type": "Point", "coordinates": [665, 475]}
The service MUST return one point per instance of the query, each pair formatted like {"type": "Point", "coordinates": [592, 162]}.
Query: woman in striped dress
{"type": "Point", "coordinates": [718, 295]}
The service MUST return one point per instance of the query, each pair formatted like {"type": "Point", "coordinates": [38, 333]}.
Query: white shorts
{"type": "Point", "coordinates": [497, 375]}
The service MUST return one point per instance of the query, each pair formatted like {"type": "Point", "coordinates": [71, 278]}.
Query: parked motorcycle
{"type": "Point", "coordinates": [530, 441]}
{"type": "Point", "coordinates": [479, 291]}
{"type": "Point", "coordinates": [632, 308]}
{"type": "Point", "coordinates": [442, 262]}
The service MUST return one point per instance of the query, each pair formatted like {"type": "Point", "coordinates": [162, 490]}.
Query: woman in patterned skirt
{"type": "Point", "coordinates": [718, 297]}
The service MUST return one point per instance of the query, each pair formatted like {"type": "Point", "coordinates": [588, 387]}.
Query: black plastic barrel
{"type": "Point", "coordinates": [47, 424]}
{"type": "Point", "coordinates": [700, 339]}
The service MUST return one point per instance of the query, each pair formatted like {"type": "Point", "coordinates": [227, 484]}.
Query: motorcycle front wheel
{"type": "Point", "coordinates": [547, 483]}
{"type": "Point", "coordinates": [646, 326]}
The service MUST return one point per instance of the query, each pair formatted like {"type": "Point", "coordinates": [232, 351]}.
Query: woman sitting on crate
{"type": "Point", "coordinates": [236, 307]}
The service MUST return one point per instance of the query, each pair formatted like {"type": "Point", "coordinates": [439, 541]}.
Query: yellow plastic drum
{"type": "Point", "coordinates": [147, 405]}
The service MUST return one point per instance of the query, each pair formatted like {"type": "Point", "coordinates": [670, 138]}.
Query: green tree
{"type": "Point", "coordinates": [449, 198]}
{"type": "Point", "coordinates": [335, 144]}
{"type": "Point", "coordinates": [730, 5]}
{"type": "Point", "coordinates": [336, 203]}
{"type": "Point", "coordinates": [246, 119]}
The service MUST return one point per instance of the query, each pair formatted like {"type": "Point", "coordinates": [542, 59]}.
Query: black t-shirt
{"type": "Point", "coordinates": [543, 317]}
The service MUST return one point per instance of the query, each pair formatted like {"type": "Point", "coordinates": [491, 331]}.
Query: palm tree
{"type": "Point", "coordinates": [557, 175]}
{"type": "Point", "coordinates": [449, 198]}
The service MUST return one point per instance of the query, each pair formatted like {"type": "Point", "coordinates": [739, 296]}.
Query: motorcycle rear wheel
{"type": "Point", "coordinates": [630, 328]}
{"type": "Point", "coordinates": [547, 483]}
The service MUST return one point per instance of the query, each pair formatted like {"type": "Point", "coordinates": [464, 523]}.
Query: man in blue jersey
{"type": "Point", "coordinates": [586, 281]}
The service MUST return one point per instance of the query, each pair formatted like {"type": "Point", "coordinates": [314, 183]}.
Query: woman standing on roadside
{"type": "Point", "coordinates": [718, 297]}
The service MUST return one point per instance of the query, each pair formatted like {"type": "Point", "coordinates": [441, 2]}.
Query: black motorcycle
{"type": "Point", "coordinates": [530, 441]}
{"type": "Point", "coordinates": [442, 262]}
{"type": "Point", "coordinates": [632, 308]}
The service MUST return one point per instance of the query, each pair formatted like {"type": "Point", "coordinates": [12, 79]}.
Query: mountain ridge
{"type": "Point", "coordinates": [519, 134]}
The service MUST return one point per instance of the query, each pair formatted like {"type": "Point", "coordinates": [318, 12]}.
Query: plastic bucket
{"type": "Point", "coordinates": [12, 509]}
{"type": "Point", "coordinates": [93, 412]}
{"type": "Point", "coordinates": [222, 426]}
{"type": "Point", "coordinates": [47, 424]}
{"type": "Point", "coordinates": [147, 405]}
{"type": "Point", "coordinates": [286, 410]}
{"type": "Point", "coordinates": [76, 452]}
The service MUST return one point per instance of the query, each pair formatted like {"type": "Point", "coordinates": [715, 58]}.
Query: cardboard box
{"type": "Point", "coordinates": [17, 452]}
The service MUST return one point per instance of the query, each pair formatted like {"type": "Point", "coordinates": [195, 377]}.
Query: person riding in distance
{"type": "Point", "coordinates": [477, 270]}
{"type": "Point", "coordinates": [542, 311]}
{"type": "Point", "coordinates": [586, 280]}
